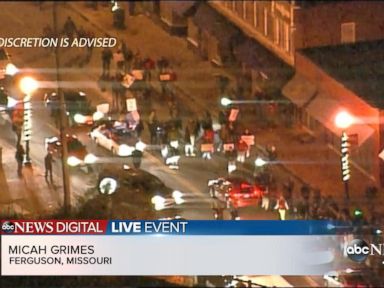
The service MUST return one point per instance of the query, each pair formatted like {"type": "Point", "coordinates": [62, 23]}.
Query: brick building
{"type": "Point", "coordinates": [337, 78]}
{"type": "Point", "coordinates": [286, 26]}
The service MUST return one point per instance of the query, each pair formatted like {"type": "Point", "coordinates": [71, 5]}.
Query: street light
{"type": "Point", "coordinates": [27, 85]}
{"type": "Point", "coordinates": [343, 120]}
{"type": "Point", "coordinates": [225, 101]}
{"type": "Point", "coordinates": [260, 162]}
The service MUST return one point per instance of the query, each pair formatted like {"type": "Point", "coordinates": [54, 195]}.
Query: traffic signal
{"type": "Point", "coordinates": [27, 120]}
{"type": "Point", "coordinates": [346, 173]}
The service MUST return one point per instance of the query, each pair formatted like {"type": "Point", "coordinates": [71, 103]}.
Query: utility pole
{"type": "Point", "coordinates": [63, 121]}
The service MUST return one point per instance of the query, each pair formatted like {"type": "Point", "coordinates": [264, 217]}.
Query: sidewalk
{"type": "Point", "coordinates": [29, 196]}
{"type": "Point", "coordinates": [313, 163]}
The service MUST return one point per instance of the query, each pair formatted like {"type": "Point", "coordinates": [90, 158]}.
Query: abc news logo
{"type": "Point", "coordinates": [8, 227]}
{"type": "Point", "coordinates": [359, 250]}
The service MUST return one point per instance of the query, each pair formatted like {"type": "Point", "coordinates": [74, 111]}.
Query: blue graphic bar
{"type": "Point", "coordinates": [217, 227]}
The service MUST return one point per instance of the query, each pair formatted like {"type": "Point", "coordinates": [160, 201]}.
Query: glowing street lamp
{"type": "Point", "coordinates": [27, 85]}
{"type": "Point", "coordinates": [259, 162]}
{"type": "Point", "coordinates": [343, 120]}
{"type": "Point", "coordinates": [225, 101]}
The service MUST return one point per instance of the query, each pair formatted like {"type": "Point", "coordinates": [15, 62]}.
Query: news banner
{"type": "Point", "coordinates": [162, 247]}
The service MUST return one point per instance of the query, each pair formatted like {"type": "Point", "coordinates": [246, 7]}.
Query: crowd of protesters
{"type": "Point", "coordinates": [207, 135]}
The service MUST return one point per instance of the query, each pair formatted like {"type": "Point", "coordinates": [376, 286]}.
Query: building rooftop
{"type": "Point", "coordinates": [359, 67]}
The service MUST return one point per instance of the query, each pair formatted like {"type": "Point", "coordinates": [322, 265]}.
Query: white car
{"type": "Point", "coordinates": [6, 67]}
{"type": "Point", "coordinates": [116, 137]}
{"type": "Point", "coordinates": [347, 278]}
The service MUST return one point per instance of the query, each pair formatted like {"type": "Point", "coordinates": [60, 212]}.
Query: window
{"type": "Point", "coordinates": [287, 38]}
{"type": "Point", "coordinates": [249, 12]}
{"type": "Point", "coordinates": [265, 21]}
{"type": "Point", "coordinates": [348, 32]}
{"type": "Point", "coordinates": [277, 31]}
{"type": "Point", "coordinates": [239, 8]}
{"type": "Point", "coordinates": [255, 13]}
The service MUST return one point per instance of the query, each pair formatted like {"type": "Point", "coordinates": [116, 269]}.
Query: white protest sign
{"type": "Point", "coordinates": [103, 108]}
{"type": "Point", "coordinates": [131, 104]}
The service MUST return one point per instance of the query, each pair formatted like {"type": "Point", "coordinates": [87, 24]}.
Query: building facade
{"type": "Point", "coordinates": [286, 26]}
{"type": "Point", "coordinates": [269, 22]}
{"type": "Point", "coordinates": [332, 79]}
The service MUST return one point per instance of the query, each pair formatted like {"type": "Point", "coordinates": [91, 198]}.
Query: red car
{"type": "Point", "coordinates": [238, 190]}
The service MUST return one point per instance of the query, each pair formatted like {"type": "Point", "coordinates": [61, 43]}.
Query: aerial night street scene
{"type": "Point", "coordinates": [195, 110]}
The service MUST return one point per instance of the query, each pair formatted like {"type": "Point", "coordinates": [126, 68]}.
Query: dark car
{"type": "Point", "coordinates": [78, 107]}
{"type": "Point", "coordinates": [77, 152]}
{"type": "Point", "coordinates": [240, 191]}
{"type": "Point", "coordinates": [156, 193]}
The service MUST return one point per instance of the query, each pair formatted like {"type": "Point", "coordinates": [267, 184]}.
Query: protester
{"type": "Point", "coordinates": [282, 207]}
{"type": "Point", "coordinates": [265, 199]}
{"type": "Point", "coordinates": [118, 58]}
{"type": "Point", "coordinates": [19, 156]}
{"type": "Point", "coordinates": [69, 28]}
{"type": "Point", "coordinates": [106, 57]}
{"type": "Point", "coordinates": [242, 149]}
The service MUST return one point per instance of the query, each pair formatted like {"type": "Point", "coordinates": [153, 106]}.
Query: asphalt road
{"type": "Point", "coordinates": [191, 178]}
{"type": "Point", "coordinates": [194, 174]}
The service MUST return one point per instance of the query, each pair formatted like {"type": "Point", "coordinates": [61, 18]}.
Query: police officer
{"type": "Point", "coordinates": [48, 165]}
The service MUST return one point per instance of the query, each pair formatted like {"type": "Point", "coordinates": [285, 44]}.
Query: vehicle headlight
{"type": "Point", "coordinates": [140, 146]}
{"type": "Point", "coordinates": [73, 161]}
{"type": "Point", "coordinates": [178, 197]}
{"type": "Point", "coordinates": [11, 69]}
{"type": "Point", "coordinates": [125, 150]}
{"type": "Point", "coordinates": [90, 159]}
{"type": "Point", "coordinates": [98, 116]}
{"type": "Point", "coordinates": [107, 186]}
{"type": "Point", "coordinates": [159, 202]}
{"type": "Point", "coordinates": [81, 119]}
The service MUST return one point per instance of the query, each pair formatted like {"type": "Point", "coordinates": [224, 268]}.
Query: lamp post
{"type": "Point", "coordinates": [63, 119]}
{"type": "Point", "coordinates": [27, 85]}
{"type": "Point", "coordinates": [343, 120]}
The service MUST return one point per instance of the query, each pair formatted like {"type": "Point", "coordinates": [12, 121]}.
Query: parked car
{"type": "Point", "coordinates": [239, 191]}
{"type": "Point", "coordinates": [348, 279]}
{"type": "Point", "coordinates": [78, 107]}
{"type": "Point", "coordinates": [115, 136]}
{"type": "Point", "coordinates": [157, 194]}
{"type": "Point", "coordinates": [77, 152]}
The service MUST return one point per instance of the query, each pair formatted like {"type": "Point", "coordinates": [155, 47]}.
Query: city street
{"type": "Point", "coordinates": [32, 196]}
{"type": "Point", "coordinates": [191, 179]}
